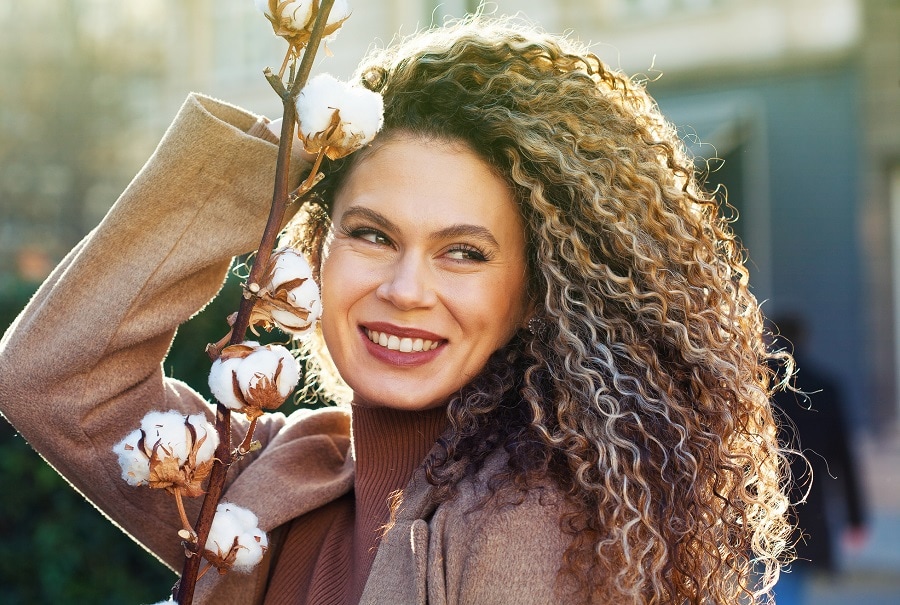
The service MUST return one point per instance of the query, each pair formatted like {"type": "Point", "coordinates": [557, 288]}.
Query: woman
{"type": "Point", "coordinates": [543, 323]}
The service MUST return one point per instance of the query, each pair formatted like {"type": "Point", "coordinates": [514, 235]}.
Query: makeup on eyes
{"type": "Point", "coordinates": [472, 252]}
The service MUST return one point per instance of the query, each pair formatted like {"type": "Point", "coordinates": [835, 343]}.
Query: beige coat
{"type": "Point", "coordinates": [82, 365]}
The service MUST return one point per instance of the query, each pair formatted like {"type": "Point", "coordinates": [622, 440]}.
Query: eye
{"type": "Point", "coordinates": [367, 234]}
{"type": "Point", "coordinates": [465, 252]}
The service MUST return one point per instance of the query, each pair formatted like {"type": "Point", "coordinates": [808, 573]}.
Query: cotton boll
{"type": "Point", "coordinates": [235, 539]}
{"type": "Point", "coordinates": [340, 10]}
{"type": "Point", "coordinates": [317, 102]}
{"type": "Point", "coordinates": [257, 366]}
{"type": "Point", "coordinates": [290, 297]}
{"type": "Point", "coordinates": [206, 429]}
{"type": "Point", "coordinates": [315, 313]}
{"type": "Point", "coordinates": [290, 370]}
{"type": "Point", "coordinates": [265, 376]}
{"type": "Point", "coordinates": [288, 321]}
{"type": "Point", "coordinates": [133, 460]}
{"type": "Point", "coordinates": [362, 112]}
{"type": "Point", "coordinates": [224, 529]}
{"type": "Point", "coordinates": [294, 20]}
{"type": "Point", "coordinates": [167, 452]}
{"type": "Point", "coordinates": [293, 15]}
{"type": "Point", "coordinates": [253, 545]}
{"type": "Point", "coordinates": [288, 266]}
{"type": "Point", "coordinates": [168, 429]}
{"type": "Point", "coordinates": [243, 518]}
{"type": "Point", "coordinates": [261, 366]}
{"type": "Point", "coordinates": [221, 383]}
{"type": "Point", "coordinates": [305, 296]}
{"type": "Point", "coordinates": [296, 15]}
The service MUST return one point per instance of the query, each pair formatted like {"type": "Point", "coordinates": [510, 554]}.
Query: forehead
{"type": "Point", "coordinates": [427, 180]}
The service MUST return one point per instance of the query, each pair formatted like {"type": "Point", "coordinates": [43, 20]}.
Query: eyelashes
{"type": "Point", "coordinates": [368, 234]}
{"type": "Point", "coordinates": [467, 252]}
{"type": "Point", "coordinates": [463, 252]}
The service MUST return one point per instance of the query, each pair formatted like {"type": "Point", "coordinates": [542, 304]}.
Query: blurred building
{"type": "Point", "coordinates": [800, 98]}
{"type": "Point", "coordinates": [65, 125]}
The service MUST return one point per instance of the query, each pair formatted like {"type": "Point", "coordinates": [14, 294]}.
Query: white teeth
{"type": "Point", "coordinates": [404, 345]}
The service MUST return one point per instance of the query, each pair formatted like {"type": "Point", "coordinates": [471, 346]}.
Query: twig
{"type": "Point", "coordinates": [244, 447]}
{"type": "Point", "coordinates": [204, 570]}
{"type": "Point", "coordinates": [313, 177]}
{"type": "Point", "coordinates": [184, 520]}
{"type": "Point", "coordinates": [287, 57]}
{"type": "Point", "coordinates": [186, 585]}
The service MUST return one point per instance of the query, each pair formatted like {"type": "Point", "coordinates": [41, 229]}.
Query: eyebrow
{"type": "Point", "coordinates": [459, 230]}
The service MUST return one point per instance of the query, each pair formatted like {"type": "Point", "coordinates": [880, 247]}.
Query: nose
{"type": "Point", "coordinates": [408, 284]}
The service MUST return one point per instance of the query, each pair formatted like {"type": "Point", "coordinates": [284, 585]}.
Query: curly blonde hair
{"type": "Point", "coordinates": [645, 394]}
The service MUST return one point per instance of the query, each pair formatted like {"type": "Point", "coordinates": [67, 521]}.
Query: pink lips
{"type": "Point", "coordinates": [398, 358]}
{"type": "Point", "coordinates": [379, 326]}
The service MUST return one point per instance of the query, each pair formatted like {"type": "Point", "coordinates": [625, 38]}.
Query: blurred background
{"type": "Point", "coordinates": [793, 105]}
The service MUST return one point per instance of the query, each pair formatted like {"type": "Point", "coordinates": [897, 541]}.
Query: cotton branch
{"type": "Point", "coordinates": [185, 592]}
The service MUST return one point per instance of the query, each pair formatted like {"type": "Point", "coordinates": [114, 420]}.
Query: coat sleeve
{"type": "Point", "coordinates": [81, 365]}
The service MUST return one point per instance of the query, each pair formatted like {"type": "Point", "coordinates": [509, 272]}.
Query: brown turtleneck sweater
{"type": "Point", "coordinates": [327, 554]}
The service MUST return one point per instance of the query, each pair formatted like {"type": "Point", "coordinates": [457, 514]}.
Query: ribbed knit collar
{"type": "Point", "coordinates": [388, 446]}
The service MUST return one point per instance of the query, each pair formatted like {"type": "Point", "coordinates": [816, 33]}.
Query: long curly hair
{"type": "Point", "coordinates": [644, 392]}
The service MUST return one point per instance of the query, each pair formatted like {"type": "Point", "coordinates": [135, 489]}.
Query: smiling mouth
{"type": "Point", "coordinates": [404, 345]}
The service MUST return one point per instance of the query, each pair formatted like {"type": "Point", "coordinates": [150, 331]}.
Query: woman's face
{"type": "Point", "coordinates": [423, 276]}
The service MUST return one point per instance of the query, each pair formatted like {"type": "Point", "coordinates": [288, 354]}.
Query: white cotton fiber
{"type": "Point", "coordinates": [205, 428]}
{"type": "Point", "coordinates": [134, 462]}
{"type": "Point", "coordinates": [232, 521]}
{"type": "Point", "coordinates": [168, 429]}
{"type": "Point", "coordinates": [361, 111]}
{"type": "Point", "coordinates": [221, 384]}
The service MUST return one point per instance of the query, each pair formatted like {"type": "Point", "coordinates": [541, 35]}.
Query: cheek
{"type": "Point", "coordinates": [339, 277]}
{"type": "Point", "coordinates": [345, 281]}
{"type": "Point", "coordinates": [497, 309]}
{"type": "Point", "coordinates": [337, 288]}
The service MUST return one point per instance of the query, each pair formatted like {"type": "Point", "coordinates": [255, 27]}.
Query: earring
{"type": "Point", "coordinates": [536, 325]}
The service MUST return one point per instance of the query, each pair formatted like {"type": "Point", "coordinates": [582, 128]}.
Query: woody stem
{"type": "Point", "coordinates": [282, 169]}
{"type": "Point", "coordinates": [273, 226]}
{"type": "Point", "coordinates": [213, 350]}
{"type": "Point", "coordinates": [185, 593]}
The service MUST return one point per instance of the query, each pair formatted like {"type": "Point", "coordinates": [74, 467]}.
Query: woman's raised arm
{"type": "Point", "coordinates": [81, 365]}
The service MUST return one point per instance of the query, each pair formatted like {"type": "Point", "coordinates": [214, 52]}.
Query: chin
{"type": "Point", "coordinates": [384, 400]}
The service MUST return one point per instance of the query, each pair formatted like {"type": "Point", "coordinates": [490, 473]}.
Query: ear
{"type": "Point", "coordinates": [532, 309]}
{"type": "Point", "coordinates": [533, 320]}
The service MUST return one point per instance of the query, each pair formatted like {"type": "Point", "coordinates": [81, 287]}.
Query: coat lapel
{"type": "Point", "coordinates": [400, 569]}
